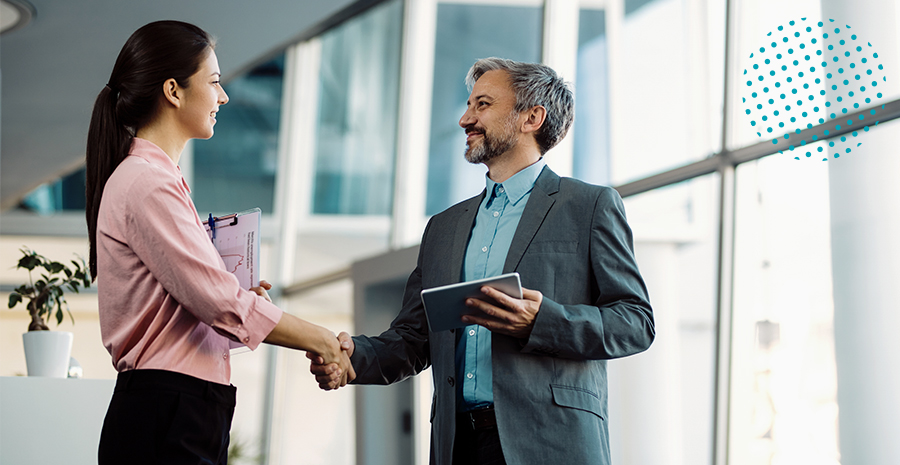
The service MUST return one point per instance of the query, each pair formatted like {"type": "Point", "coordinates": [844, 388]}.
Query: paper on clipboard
{"type": "Point", "coordinates": [236, 238]}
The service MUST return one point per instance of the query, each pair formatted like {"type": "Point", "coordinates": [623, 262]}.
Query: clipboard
{"type": "Point", "coordinates": [236, 238]}
{"type": "Point", "coordinates": [446, 305]}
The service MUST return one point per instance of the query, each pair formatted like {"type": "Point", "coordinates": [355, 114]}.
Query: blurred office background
{"type": "Point", "coordinates": [774, 280]}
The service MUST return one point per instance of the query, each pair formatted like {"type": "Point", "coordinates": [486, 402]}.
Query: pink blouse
{"type": "Point", "coordinates": [166, 300]}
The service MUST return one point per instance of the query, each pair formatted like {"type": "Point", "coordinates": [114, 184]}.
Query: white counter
{"type": "Point", "coordinates": [51, 420]}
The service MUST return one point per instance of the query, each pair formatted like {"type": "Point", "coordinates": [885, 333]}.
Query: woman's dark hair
{"type": "Point", "coordinates": [154, 53]}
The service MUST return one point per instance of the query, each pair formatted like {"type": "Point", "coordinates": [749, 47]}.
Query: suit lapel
{"type": "Point", "coordinates": [461, 238]}
{"type": "Point", "coordinates": [536, 210]}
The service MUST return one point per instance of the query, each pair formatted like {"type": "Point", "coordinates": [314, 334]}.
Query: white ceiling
{"type": "Point", "coordinates": [52, 69]}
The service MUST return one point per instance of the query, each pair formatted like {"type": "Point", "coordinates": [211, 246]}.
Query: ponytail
{"type": "Point", "coordinates": [154, 53]}
{"type": "Point", "coordinates": [108, 142]}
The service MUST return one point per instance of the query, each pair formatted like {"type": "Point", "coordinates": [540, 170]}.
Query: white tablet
{"type": "Point", "coordinates": [446, 305]}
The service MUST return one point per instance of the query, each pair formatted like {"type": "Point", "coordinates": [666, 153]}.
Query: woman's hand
{"type": "Point", "coordinates": [261, 290]}
{"type": "Point", "coordinates": [331, 376]}
{"type": "Point", "coordinates": [337, 358]}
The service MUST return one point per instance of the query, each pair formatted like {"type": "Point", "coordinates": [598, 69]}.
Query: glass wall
{"type": "Point", "coordinates": [235, 170]}
{"type": "Point", "coordinates": [63, 195]}
{"type": "Point", "coordinates": [356, 129]}
{"type": "Point", "coordinates": [591, 128]}
{"type": "Point", "coordinates": [667, 76]}
{"type": "Point", "coordinates": [665, 395]}
{"type": "Point", "coordinates": [784, 384]}
{"type": "Point", "coordinates": [465, 33]}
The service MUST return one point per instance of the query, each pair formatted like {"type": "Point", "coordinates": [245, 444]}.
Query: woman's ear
{"type": "Point", "coordinates": [534, 119]}
{"type": "Point", "coordinates": [172, 92]}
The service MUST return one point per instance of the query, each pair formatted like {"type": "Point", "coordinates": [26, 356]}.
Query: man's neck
{"type": "Point", "coordinates": [505, 166]}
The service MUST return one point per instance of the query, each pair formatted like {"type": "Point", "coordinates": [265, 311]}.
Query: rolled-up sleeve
{"type": "Point", "coordinates": [169, 239]}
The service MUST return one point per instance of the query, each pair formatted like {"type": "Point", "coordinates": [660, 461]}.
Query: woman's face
{"type": "Point", "coordinates": [202, 99]}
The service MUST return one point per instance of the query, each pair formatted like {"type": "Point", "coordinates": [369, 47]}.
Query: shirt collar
{"type": "Point", "coordinates": [518, 184]}
{"type": "Point", "coordinates": [143, 148]}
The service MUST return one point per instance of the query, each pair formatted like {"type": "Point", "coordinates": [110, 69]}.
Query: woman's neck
{"type": "Point", "coordinates": [165, 138]}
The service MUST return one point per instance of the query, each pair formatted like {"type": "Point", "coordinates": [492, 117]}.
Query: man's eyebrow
{"type": "Point", "coordinates": [479, 97]}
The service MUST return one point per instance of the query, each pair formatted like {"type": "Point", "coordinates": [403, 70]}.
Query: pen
{"type": "Point", "coordinates": [212, 226]}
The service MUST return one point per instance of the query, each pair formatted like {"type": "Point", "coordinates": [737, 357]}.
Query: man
{"type": "Point", "coordinates": [526, 382]}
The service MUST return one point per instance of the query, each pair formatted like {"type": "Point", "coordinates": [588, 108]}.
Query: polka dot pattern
{"type": "Point", "coordinates": [798, 101]}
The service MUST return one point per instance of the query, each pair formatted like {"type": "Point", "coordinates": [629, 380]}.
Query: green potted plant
{"type": "Point", "coordinates": [47, 352]}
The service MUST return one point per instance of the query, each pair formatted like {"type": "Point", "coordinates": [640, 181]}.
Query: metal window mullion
{"type": "Point", "coordinates": [292, 203]}
{"type": "Point", "coordinates": [559, 50]}
{"type": "Point", "coordinates": [414, 122]}
{"type": "Point", "coordinates": [725, 271]}
{"type": "Point", "coordinates": [724, 310]}
{"type": "Point", "coordinates": [759, 150]}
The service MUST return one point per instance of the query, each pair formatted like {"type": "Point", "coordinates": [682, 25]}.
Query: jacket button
{"type": "Point", "coordinates": [450, 381]}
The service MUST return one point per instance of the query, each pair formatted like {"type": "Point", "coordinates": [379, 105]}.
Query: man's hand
{"type": "Point", "coordinates": [515, 317]}
{"type": "Point", "coordinates": [331, 376]}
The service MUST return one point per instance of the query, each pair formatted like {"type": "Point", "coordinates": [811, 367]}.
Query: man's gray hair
{"type": "Point", "coordinates": [534, 84]}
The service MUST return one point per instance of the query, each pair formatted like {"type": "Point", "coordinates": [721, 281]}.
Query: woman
{"type": "Point", "coordinates": [168, 308]}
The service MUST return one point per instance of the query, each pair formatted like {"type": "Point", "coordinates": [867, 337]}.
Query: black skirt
{"type": "Point", "coordinates": [163, 417]}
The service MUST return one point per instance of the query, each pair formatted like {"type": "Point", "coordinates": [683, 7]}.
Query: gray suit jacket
{"type": "Point", "coordinates": [573, 244]}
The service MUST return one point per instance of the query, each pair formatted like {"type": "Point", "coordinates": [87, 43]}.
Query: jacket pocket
{"type": "Point", "coordinates": [433, 407]}
{"type": "Point", "coordinates": [553, 247]}
{"type": "Point", "coordinates": [578, 398]}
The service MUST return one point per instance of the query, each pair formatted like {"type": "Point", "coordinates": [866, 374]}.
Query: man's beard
{"type": "Point", "coordinates": [493, 146]}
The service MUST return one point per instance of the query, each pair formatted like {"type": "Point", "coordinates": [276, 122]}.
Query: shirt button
{"type": "Point", "coordinates": [470, 375]}
{"type": "Point", "coordinates": [471, 332]}
{"type": "Point", "coordinates": [496, 214]}
{"type": "Point", "coordinates": [225, 355]}
{"type": "Point", "coordinates": [450, 381]}
{"type": "Point", "coordinates": [501, 190]}
{"type": "Point", "coordinates": [246, 340]}
{"type": "Point", "coordinates": [484, 249]}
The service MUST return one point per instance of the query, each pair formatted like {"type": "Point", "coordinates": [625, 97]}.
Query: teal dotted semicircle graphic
{"type": "Point", "coordinates": [807, 74]}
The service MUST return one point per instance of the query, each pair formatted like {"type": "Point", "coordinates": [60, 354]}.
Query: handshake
{"type": "Point", "coordinates": [329, 355]}
{"type": "Point", "coordinates": [338, 371]}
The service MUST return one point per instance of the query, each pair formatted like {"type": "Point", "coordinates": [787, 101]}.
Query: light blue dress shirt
{"type": "Point", "coordinates": [495, 224]}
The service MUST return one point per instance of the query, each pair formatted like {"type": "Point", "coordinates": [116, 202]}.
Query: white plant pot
{"type": "Point", "coordinates": [47, 353]}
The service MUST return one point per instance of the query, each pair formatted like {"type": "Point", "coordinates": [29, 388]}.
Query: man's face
{"type": "Point", "coordinates": [490, 121]}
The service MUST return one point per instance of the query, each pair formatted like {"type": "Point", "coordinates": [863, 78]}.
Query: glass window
{"type": "Point", "coordinates": [65, 194]}
{"type": "Point", "coordinates": [466, 33]}
{"type": "Point", "coordinates": [798, 69]}
{"type": "Point", "coordinates": [666, 395]}
{"type": "Point", "coordinates": [591, 127]}
{"type": "Point", "coordinates": [235, 169]}
{"type": "Point", "coordinates": [783, 380]}
{"type": "Point", "coordinates": [356, 129]}
{"type": "Point", "coordinates": [669, 86]}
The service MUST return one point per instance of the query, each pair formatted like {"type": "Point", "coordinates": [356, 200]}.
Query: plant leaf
{"type": "Point", "coordinates": [54, 267]}
{"type": "Point", "coordinates": [14, 299]}
{"type": "Point", "coordinates": [29, 261]}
